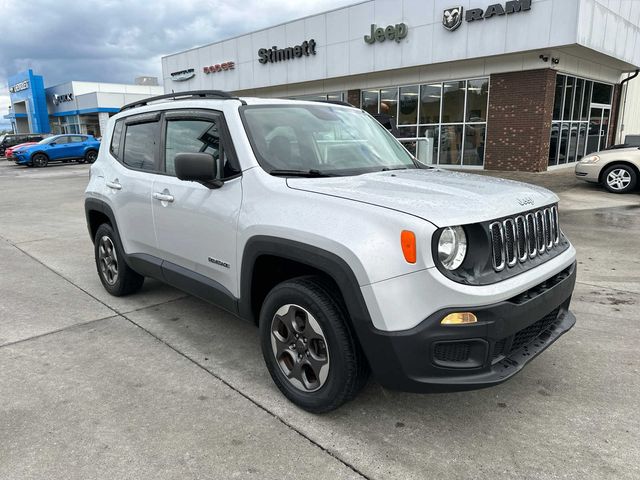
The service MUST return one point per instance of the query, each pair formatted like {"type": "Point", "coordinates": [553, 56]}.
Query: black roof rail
{"type": "Point", "coordinates": [212, 94]}
{"type": "Point", "coordinates": [336, 102]}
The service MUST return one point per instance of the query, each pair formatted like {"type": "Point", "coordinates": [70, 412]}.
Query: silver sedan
{"type": "Point", "coordinates": [617, 170]}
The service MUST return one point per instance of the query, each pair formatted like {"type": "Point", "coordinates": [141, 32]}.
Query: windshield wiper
{"type": "Point", "coordinates": [312, 173]}
{"type": "Point", "coordinates": [390, 169]}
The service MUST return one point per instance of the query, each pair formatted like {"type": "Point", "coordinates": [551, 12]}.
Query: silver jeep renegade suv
{"type": "Point", "coordinates": [310, 220]}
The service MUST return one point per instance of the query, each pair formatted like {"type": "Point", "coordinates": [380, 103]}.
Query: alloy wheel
{"type": "Point", "coordinates": [299, 347]}
{"type": "Point", "coordinates": [618, 179]}
{"type": "Point", "coordinates": [108, 260]}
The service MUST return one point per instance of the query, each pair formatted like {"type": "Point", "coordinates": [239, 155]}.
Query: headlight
{"type": "Point", "coordinates": [591, 159]}
{"type": "Point", "coordinates": [452, 247]}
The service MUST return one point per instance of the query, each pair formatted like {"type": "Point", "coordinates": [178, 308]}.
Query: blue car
{"type": "Point", "coordinates": [82, 148]}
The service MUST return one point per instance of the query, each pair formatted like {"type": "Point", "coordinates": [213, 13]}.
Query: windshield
{"type": "Point", "coordinates": [47, 140]}
{"type": "Point", "coordinates": [2, 137]}
{"type": "Point", "coordinates": [323, 139]}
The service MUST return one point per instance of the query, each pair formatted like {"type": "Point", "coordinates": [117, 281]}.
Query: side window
{"type": "Point", "coordinates": [114, 149]}
{"type": "Point", "coordinates": [195, 136]}
{"type": "Point", "coordinates": [140, 146]}
{"type": "Point", "coordinates": [62, 140]}
{"type": "Point", "coordinates": [76, 139]}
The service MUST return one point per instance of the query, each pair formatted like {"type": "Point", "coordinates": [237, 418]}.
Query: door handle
{"type": "Point", "coordinates": [114, 185]}
{"type": "Point", "coordinates": [163, 197]}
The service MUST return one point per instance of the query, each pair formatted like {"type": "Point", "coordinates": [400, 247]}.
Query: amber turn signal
{"type": "Point", "coordinates": [408, 242]}
{"type": "Point", "coordinates": [459, 318]}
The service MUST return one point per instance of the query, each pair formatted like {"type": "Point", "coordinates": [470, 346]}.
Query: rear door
{"type": "Point", "coordinates": [129, 180]}
{"type": "Point", "coordinates": [76, 146]}
{"type": "Point", "coordinates": [196, 228]}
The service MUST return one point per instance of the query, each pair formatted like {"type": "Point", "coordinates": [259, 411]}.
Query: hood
{"type": "Point", "coordinates": [440, 197]}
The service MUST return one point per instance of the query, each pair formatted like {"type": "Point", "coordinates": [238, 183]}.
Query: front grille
{"type": "Point", "coordinates": [452, 352]}
{"type": "Point", "coordinates": [524, 337]}
{"type": "Point", "coordinates": [520, 239]}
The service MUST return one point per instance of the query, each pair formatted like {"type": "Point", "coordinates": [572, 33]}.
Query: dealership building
{"type": "Point", "coordinates": [517, 85]}
{"type": "Point", "coordinates": [70, 107]}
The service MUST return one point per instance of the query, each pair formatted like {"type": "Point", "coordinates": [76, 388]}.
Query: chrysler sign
{"type": "Point", "coordinates": [452, 17]}
{"type": "Point", "coordinates": [183, 75]}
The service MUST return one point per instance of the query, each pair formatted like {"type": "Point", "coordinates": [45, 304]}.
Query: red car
{"type": "Point", "coordinates": [9, 151]}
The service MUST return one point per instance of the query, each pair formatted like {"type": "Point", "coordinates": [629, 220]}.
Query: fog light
{"type": "Point", "coordinates": [459, 318]}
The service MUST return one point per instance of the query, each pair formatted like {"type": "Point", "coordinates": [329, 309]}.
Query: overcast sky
{"type": "Point", "coordinates": [118, 40]}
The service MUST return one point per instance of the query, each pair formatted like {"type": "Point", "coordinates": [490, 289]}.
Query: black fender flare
{"type": "Point", "coordinates": [330, 264]}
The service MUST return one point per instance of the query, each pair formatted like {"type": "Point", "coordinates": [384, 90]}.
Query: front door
{"type": "Point", "coordinates": [598, 129]}
{"type": "Point", "coordinates": [196, 225]}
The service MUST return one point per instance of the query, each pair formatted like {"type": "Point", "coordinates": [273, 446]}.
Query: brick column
{"type": "Point", "coordinates": [519, 123]}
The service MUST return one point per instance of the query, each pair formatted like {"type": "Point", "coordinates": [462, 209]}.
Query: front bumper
{"type": "Point", "coordinates": [508, 335]}
{"type": "Point", "coordinates": [589, 172]}
{"type": "Point", "coordinates": [20, 158]}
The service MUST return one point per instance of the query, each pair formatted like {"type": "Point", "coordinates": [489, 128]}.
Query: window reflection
{"type": "Point", "coordinates": [439, 123]}
{"type": "Point", "coordinates": [430, 96]}
{"type": "Point", "coordinates": [477, 97]}
{"type": "Point", "coordinates": [453, 102]}
{"type": "Point", "coordinates": [451, 145]}
{"type": "Point", "coordinates": [408, 111]}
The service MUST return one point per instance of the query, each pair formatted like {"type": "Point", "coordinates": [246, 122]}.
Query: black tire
{"type": "Point", "coordinates": [39, 160]}
{"type": "Point", "coordinates": [90, 157]}
{"type": "Point", "coordinates": [347, 366]}
{"type": "Point", "coordinates": [123, 280]}
{"type": "Point", "coordinates": [620, 179]}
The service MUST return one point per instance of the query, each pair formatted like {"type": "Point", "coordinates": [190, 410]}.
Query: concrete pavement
{"type": "Point", "coordinates": [162, 385]}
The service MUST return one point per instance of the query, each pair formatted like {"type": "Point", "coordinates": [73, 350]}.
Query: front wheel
{"type": "Point", "coordinates": [308, 347]}
{"type": "Point", "coordinates": [90, 157]}
{"type": "Point", "coordinates": [40, 160]}
{"type": "Point", "coordinates": [620, 179]}
{"type": "Point", "coordinates": [116, 276]}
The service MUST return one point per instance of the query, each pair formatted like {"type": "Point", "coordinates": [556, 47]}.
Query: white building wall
{"type": "Point", "coordinates": [506, 43]}
{"type": "Point", "coordinates": [630, 123]}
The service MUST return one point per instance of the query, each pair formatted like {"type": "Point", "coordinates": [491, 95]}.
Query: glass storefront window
{"type": "Point", "coordinates": [453, 102]}
{"type": "Point", "coordinates": [602, 93]}
{"type": "Point", "coordinates": [474, 136]}
{"type": "Point", "coordinates": [451, 145]}
{"type": "Point", "coordinates": [370, 101]}
{"type": "Point", "coordinates": [389, 102]}
{"type": "Point", "coordinates": [586, 101]}
{"type": "Point", "coordinates": [568, 98]}
{"type": "Point", "coordinates": [584, 105]}
{"type": "Point", "coordinates": [577, 103]}
{"type": "Point", "coordinates": [582, 138]}
{"type": "Point", "coordinates": [440, 123]}
{"type": "Point", "coordinates": [477, 100]}
{"type": "Point", "coordinates": [428, 145]}
{"type": "Point", "coordinates": [430, 96]}
{"type": "Point", "coordinates": [408, 111]}
{"type": "Point", "coordinates": [564, 143]}
{"type": "Point", "coordinates": [555, 143]}
{"type": "Point", "coordinates": [557, 106]}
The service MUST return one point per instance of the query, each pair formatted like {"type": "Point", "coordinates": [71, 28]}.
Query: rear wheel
{"type": "Point", "coordinates": [40, 160]}
{"type": "Point", "coordinates": [308, 348]}
{"type": "Point", "coordinates": [620, 179]}
{"type": "Point", "coordinates": [116, 276]}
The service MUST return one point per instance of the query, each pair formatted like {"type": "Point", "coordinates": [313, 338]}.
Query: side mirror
{"type": "Point", "coordinates": [199, 167]}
